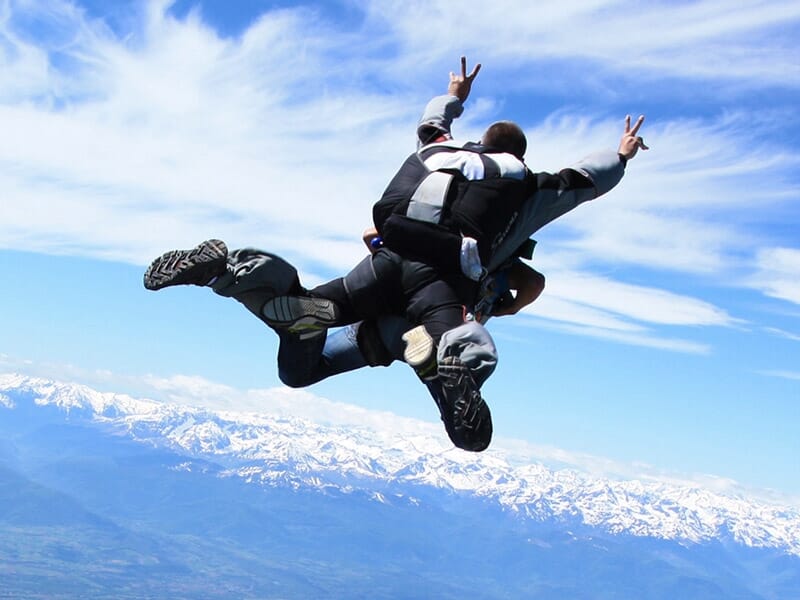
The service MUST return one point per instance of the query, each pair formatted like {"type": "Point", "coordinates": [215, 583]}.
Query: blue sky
{"type": "Point", "coordinates": [667, 343]}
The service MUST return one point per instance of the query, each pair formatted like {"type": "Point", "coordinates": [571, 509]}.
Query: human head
{"type": "Point", "coordinates": [506, 136]}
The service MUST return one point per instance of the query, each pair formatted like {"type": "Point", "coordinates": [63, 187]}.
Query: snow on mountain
{"type": "Point", "coordinates": [265, 449]}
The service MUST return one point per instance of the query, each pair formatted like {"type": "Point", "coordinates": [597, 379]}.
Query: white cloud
{"type": "Point", "coordinates": [784, 334]}
{"type": "Point", "coordinates": [791, 375]}
{"type": "Point", "coordinates": [683, 206]}
{"type": "Point", "coordinates": [554, 307]}
{"type": "Point", "coordinates": [181, 128]}
{"type": "Point", "coordinates": [778, 273]}
{"type": "Point", "coordinates": [585, 304]}
{"type": "Point", "coordinates": [645, 338]}
{"type": "Point", "coordinates": [284, 137]}
{"type": "Point", "coordinates": [747, 42]}
{"type": "Point", "coordinates": [640, 303]}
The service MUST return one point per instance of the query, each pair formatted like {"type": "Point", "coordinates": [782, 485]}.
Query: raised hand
{"type": "Point", "coordinates": [460, 85]}
{"type": "Point", "coordinates": [631, 142]}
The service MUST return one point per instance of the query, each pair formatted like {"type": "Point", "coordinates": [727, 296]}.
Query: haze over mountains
{"type": "Point", "coordinates": [103, 493]}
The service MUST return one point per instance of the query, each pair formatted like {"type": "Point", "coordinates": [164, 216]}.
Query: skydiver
{"type": "Point", "coordinates": [421, 273]}
{"type": "Point", "coordinates": [553, 196]}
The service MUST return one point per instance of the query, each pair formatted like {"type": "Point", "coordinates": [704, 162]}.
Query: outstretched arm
{"type": "Point", "coordinates": [558, 193]}
{"type": "Point", "coordinates": [442, 110]}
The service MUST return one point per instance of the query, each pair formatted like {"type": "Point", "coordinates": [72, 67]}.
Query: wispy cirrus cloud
{"type": "Point", "coordinates": [749, 43]}
{"type": "Point", "coordinates": [578, 319]}
{"type": "Point", "coordinates": [583, 303]}
{"type": "Point", "coordinates": [783, 334]}
{"type": "Point", "coordinates": [684, 206]}
{"type": "Point", "coordinates": [791, 375]}
{"type": "Point", "coordinates": [181, 127]}
{"type": "Point", "coordinates": [778, 273]}
{"type": "Point", "coordinates": [284, 136]}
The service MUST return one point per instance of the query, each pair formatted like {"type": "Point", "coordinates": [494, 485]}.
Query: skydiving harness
{"type": "Point", "coordinates": [445, 194]}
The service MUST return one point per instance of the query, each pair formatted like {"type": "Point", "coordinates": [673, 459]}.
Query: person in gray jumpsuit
{"type": "Point", "coordinates": [466, 355]}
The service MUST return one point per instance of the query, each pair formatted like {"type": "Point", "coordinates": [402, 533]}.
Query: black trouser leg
{"type": "Point", "coordinates": [370, 290]}
{"type": "Point", "coordinates": [437, 306]}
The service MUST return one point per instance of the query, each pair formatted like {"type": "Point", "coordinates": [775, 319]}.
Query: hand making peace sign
{"type": "Point", "coordinates": [631, 142]}
{"type": "Point", "coordinates": [460, 85]}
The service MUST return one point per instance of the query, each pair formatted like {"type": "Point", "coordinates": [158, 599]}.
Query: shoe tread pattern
{"type": "Point", "coordinates": [177, 266]}
{"type": "Point", "coordinates": [298, 313]}
{"type": "Point", "coordinates": [468, 404]}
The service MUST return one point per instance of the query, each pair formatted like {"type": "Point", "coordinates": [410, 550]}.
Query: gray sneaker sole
{"type": "Point", "coordinates": [185, 267]}
{"type": "Point", "coordinates": [460, 389]}
{"type": "Point", "coordinates": [420, 352]}
{"type": "Point", "coordinates": [299, 314]}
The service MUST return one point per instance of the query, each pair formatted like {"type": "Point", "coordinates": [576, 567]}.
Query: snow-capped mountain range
{"type": "Point", "coordinates": [268, 450]}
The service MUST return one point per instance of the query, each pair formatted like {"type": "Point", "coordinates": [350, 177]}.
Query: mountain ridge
{"type": "Point", "coordinates": [289, 451]}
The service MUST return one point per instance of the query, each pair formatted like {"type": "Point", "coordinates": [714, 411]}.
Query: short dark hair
{"type": "Point", "coordinates": [506, 136]}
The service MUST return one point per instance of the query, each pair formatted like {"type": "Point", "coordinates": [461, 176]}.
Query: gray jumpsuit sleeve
{"type": "Point", "coordinates": [437, 118]}
{"type": "Point", "coordinates": [558, 193]}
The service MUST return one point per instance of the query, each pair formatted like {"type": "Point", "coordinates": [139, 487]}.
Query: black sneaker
{"type": "Point", "coordinates": [420, 352]}
{"type": "Point", "coordinates": [471, 419]}
{"type": "Point", "coordinates": [300, 314]}
{"type": "Point", "coordinates": [198, 266]}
